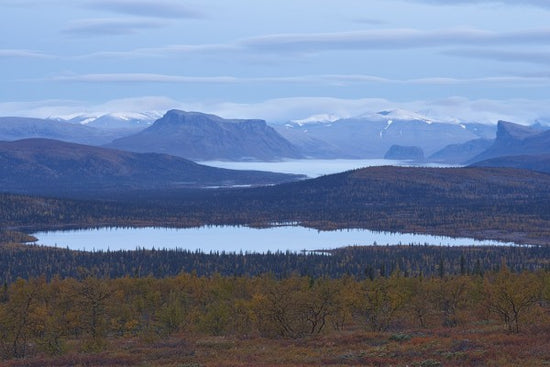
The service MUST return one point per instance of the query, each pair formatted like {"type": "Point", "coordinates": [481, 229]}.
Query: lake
{"type": "Point", "coordinates": [315, 167]}
{"type": "Point", "coordinates": [245, 239]}
{"type": "Point", "coordinates": [236, 239]}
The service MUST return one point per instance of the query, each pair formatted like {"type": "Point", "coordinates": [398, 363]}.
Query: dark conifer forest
{"type": "Point", "coordinates": [378, 305]}
{"type": "Point", "coordinates": [483, 203]}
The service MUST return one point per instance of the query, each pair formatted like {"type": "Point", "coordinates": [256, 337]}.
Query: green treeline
{"type": "Point", "coordinates": [361, 262]}
{"type": "Point", "coordinates": [40, 316]}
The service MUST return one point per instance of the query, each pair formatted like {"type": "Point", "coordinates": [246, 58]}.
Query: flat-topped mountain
{"type": "Point", "coordinates": [199, 136]}
{"type": "Point", "coordinates": [42, 166]}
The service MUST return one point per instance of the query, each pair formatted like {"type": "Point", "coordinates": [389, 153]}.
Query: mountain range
{"type": "Point", "coordinates": [372, 135]}
{"type": "Point", "coordinates": [43, 166]}
{"type": "Point", "coordinates": [17, 128]}
{"type": "Point", "coordinates": [200, 137]}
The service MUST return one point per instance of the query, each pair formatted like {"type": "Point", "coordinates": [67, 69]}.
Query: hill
{"type": "Point", "coordinates": [199, 136]}
{"type": "Point", "coordinates": [460, 153]}
{"type": "Point", "coordinates": [484, 203]}
{"type": "Point", "coordinates": [42, 166]}
{"type": "Point", "coordinates": [540, 163]}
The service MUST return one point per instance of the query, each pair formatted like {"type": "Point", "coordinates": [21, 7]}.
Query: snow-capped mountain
{"type": "Point", "coordinates": [320, 118]}
{"type": "Point", "coordinates": [396, 114]}
{"type": "Point", "coordinates": [371, 134]}
{"type": "Point", "coordinates": [117, 120]}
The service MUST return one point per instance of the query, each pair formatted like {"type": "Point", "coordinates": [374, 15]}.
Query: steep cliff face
{"type": "Point", "coordinates": [513, 140]}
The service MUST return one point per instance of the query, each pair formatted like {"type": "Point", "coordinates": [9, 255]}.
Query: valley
{"type": "Point", "coordinates": [274, 183]}
{"type": "Point", "coordinates": [477, 230]}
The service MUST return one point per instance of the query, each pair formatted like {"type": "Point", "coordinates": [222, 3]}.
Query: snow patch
{"type": "Point", "coordinates": [395, 115]}
{"type": "Point", "coordinates": [320, 118]}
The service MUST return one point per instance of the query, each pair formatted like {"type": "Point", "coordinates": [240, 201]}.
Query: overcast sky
{"type": "Point", "coordinates": [277, 60]}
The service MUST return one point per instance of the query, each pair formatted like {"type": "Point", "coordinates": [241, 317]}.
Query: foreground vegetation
{"type": "Point", "coordinates": [189, 320]}
{"type": "Point", "coordinates": [374, 306]}
{"type": "Point", "coordinates": [360, 262]}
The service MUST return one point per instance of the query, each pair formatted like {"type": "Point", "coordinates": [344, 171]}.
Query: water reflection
{"type": "Point", "coordinates": [236, 239]}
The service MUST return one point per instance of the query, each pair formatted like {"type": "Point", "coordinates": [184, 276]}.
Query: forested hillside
{"type": "Point", "coordinates": [374, 306]}
{"type": "Point", "coordinates": [483, 203]}
{"type": "Point", "coordinates": [360, 262]}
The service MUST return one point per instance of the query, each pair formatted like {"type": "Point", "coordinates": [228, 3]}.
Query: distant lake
{"type": "Point", "coordinates": [314, 167]}
{"type": "Point", "coordinates": [236, 239]}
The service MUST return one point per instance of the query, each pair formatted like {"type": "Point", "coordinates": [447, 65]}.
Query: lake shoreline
{"type": "Point", "coordinates": [235, 239]}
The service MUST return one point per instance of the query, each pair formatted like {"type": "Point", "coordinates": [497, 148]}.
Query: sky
{"type": "Point", "coordinates": [452, 60]}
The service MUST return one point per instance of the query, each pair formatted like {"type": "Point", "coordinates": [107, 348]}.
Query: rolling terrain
{"type": "Point", "coordinates": [42, 166]}
{"type": "Point", "coordinates": [484, 203]}
{"type": "Point", "coordinates": [18, 128]}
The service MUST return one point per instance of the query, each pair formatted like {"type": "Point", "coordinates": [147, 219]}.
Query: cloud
{"type": "Point", "coordinates": [531, 57]}
{"type": "Point", "coordinates": [394, 39]}
{"type": "Point", "coordinates": [110, 26]}
{"type": "Point", "coordinates": [451, 109]}
{"type": "Point", "coordinates": [330, 79]}
{"type": "Point", "coordinates": [146, 8]}
{"type": "Point", "coordinates": [141, 78]}
{"type": "Point", "coordinates": [5, 53]}
{"type": "Point", "coordinates": [536, 3]}
{"type": "Point", "coordinates": [376, 39]}
{"type": "Point", "coordinates": [369, 21]}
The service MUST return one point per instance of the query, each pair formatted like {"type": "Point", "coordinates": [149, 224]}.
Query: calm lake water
{"type": "Point", "coordinates": [245, 239]}
{"type": "Point", "coordinates": [235, 239]}
{"type": "Point", "coordinates": [314, 167]}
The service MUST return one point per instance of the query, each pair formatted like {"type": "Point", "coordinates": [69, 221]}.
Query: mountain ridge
{"type": "Point", "coordinates": [45, 166]}
{"type": "Point", "coordinates": [515, 140]}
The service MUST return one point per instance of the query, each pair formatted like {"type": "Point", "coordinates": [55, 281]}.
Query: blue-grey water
{"type": "Point", "coordinates": [314, 167]}
{"type": "Point", "coordinates": [245, 239]}
{"type": "Point", "coordinates": [236, 239]}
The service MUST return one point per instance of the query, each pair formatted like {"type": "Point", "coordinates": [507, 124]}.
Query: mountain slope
{"type": "Point", "coordinates": [460, 153]}
{"type": "Point", "coordinates": [17, 128]}
{"type": "Point", "coordinates": [513, 139]}
{"type": "Point", "coordinates": [540, 163]}
{"type": "Point", "coordinates": [199, 136]}
{"type": "Point", "coordinates": [132, 122]}
{"type": "Point", "coordinates": [371, 135]}
{"type": "Point", "coordinates": [401, 152]}
{"type": "Point", "coordinates": [40, 166]}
